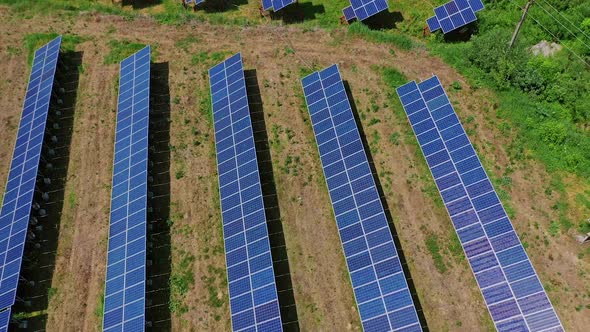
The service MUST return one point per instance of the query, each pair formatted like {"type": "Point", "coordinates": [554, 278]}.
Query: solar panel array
{"type": "Point", "coordinates": [509, 284]}
{"type": "Point", "coordinates": [124, 306]}
{"type": "Point", "coordinates": [252, 290]}
{"type": "Point", "coordinates": [379, 284]}
{"type": "Point", "coordinates": [22, 177]}
{"type": "Point", "coordinates": [363, 9]}
{"type": "Point", "coordinates": [276, 5]}
{"type": "Point", "coordinates": [454, 14]}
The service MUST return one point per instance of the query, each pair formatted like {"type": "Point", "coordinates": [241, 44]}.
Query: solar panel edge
{"type": "Point", "coordinates": [480, 288]}
{"type": "Point", "coordinates": [406, 285]}
{"type": "Point", "coordinates": [56, 41]}
{"type": "Point", "coordinates": [144, 214]}
{"type": "Point", "coordinates": [215, 135]}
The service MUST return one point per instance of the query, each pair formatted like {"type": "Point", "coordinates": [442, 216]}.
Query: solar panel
{"type": "Point", "coordinates": [276, 5]}
{"type": "Point", "coordinates": [509, 284]}
{"type": "Point", "coordinates": [20, 187]}
{"type": "Point", "coordinates": [124, 306]}
{"type": "Point", "coordinates": [4, 320]}
{"type": "Point", "coordinates": [363, 9]}
{"type": "Point", "coordinates": [252, 290]}
{"type": "Point", "coordinates": [379, 284]}
{"type": "Point", "coordinates": [454, 14]}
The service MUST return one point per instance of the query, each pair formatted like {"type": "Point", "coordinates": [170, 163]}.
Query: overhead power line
{"type": "Point", "coordinates": [565, 45]}
{"type": "Point", "coordinates": [555, 37]}
{"type": "Point", "coordinates": [565, 17]}
{"type": "Point", "coordinates": [558, 21]}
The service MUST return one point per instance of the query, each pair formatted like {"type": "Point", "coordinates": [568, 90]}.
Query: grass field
{"type": "Point", "coordinates": [548, 201]}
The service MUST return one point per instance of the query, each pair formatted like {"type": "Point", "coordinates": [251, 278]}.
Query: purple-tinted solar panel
{"type": "Point", "coordinates": [509, 284]}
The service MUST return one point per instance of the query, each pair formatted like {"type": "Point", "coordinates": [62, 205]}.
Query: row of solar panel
{"type": "Point", "coordinates": [509, 284]}
{"type": "Point", "coordinates": [20, 186]}
{"type": "Point", "coordinates": [124, 306]}
{"type": "Point", "coordinates": [252, 290]}
{"type": "Point", "coordinates": [379, 284]}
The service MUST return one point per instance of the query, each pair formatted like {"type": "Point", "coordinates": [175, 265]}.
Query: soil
{"type": "Point", "coordinates": [323, 295]}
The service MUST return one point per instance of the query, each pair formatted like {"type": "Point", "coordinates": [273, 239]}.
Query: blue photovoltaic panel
{"type": "Point", "coordinates": [252, 290]}
{"type": "Point", "coordinates": [20, 187]}
{"type": "Point", "coordinates": [454, 14]}
{"type": "Point", "coordinates": [509, 284]}
{"type": "Point", "coordinates": [363, 9]}
{"type": "Point", "coordinates": [4, 320]}
{"type": "Point", "coordinates": [379, 284]}
{"type": "Point", "coordinates": [124, 306]}
{"type": "Point", "coordinates": [276, 5]}
{"type": "Point", "coordinates": [348, 13]}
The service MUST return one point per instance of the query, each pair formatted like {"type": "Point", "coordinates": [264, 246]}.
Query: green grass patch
{"type": "Point", "coordinates": [33, 41]}
{"type": "Point", "coordinates": [99, 310]}
{"type": "Point", "coordinates": [181, 280]}
{"type": "Point", "coordinates": [186, 42]}
{"type": "Point", "coordinates": [51, 292]}
{"type": "Point", "coordinates": [121, 49]}
{"type": "Point", "coordinates": [403, 42]}
{"type": "Point", "coordinates": [434, 249]}
{"type": "Point", "coordinates": [392, 77]}
{"type": "Point", "coordinates": [72, 200]}
{"type": "Point", "coordinates": [209, 59]}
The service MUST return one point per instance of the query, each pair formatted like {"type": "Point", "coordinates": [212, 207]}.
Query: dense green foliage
{"type": "Point", "coordinates": [546, 98]}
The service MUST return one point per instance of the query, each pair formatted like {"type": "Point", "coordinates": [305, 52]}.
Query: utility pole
{"type": "Point", "coordinates": [519, 25]}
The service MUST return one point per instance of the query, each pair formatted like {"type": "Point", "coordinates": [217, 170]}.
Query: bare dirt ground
{"type": "Point", "coordinates": [450, 298]}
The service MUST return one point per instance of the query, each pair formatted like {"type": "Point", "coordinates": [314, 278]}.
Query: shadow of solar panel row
{"type": "Point", "coordinates": [4, 320]}
{"type": "Point", "coordinates": [276, 5]}
{"type": "Point", "coordinates": [454, 14]}
{"type": "Point", "coordinates": [252, 290]}
{"type": "Point", "coordinates": [22, 176]}
{"type": "Point", "coordinates": [124, 305]}
{"type": "Point", "coordinates": [379, 284]}
{"type": "Point", "coordinates": [363, 9]}
{"type": "Point", "coordinates": [509, 284]}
